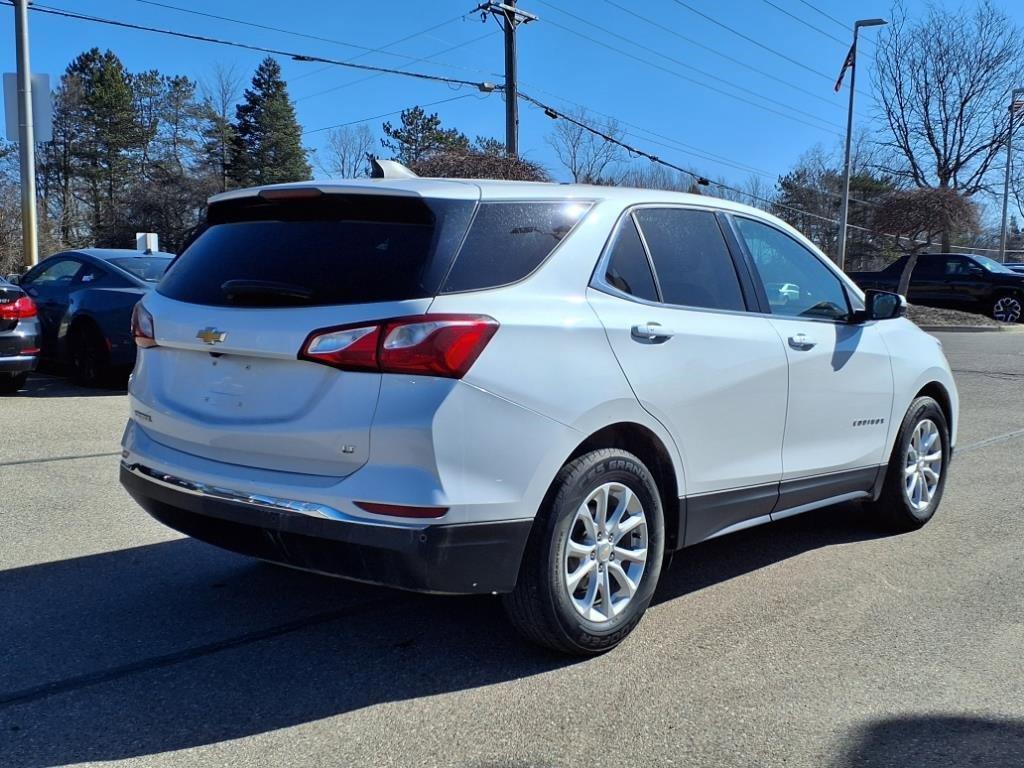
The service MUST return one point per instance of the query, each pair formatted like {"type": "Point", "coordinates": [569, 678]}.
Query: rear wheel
{"type": "Point", "coordinates": [90, 358]}
{"type": "Point", "coordinates": [593, 558]}
{"type": "Point", "coordinates": [12, 382]}
{"type": "Point", "coordinates": [916, 475]}
{"type": "Point", "coordinates": [1008, 309]}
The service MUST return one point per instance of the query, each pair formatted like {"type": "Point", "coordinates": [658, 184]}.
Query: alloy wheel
{"type": "Point", "coordinates": [922, 466]}
{"type": "Point", "coordinates": [605, 554]}
{"type": "Point", "coordinates": [1007, 309]}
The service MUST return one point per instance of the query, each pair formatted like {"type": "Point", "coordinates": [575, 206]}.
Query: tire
{"type": "Point", "coordinates": [1008, 308]}
{"type": "Point", "coordinates": [10, 383]}
{"type": "Point", "coordinates": [542, 607]}
{"type": "Point", "coordinates": [905, 503]}
{"type": "Point", "coordinates": [90, 358]}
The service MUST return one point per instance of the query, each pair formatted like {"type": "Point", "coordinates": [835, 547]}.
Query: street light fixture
{"type": "Point", "coordinates": [1015, 104]}
{"type": "Point", "coordinates": [851, 64]}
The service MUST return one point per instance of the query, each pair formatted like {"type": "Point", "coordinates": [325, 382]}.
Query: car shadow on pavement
{"type": "Point", "coordinates": [48, 385]}
{"type": "Point", "coordinates": [177, 644]}
{"type": "Point", "coordinates": [936, 741]}
{"type": "Point", "coordinates": [721, 559]}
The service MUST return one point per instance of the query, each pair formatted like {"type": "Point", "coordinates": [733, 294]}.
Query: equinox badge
{"type": "Point", "coordinates": [210, 335]}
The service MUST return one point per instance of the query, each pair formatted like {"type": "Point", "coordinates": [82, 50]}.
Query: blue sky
{"type": "Point", "coordinates": [651, 81]}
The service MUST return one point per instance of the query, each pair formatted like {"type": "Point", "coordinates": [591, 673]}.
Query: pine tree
{"type": "Point", "coordinates": [420, 136]}
{"type": "Point", "coordinates": [107, 132]}
{"type": "Point", "coordinates": [267, 146]}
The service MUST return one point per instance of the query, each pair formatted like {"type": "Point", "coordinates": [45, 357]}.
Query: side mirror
{"type": "Point", "coordinates": [883, 305]}
{"type": "Point", "coordinates": [14, 278]}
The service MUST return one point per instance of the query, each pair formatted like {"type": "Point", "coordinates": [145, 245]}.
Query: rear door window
{"type": "Point", "coordinates": [629, 269]}
{"type": "Point", "coordinates": [691, 259]}
{"type": "Point", "coordinates": [331, 250]}
{"type": "Point", "coordinates": [508, 241]}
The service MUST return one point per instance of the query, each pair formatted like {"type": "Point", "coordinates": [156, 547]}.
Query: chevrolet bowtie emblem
{"type": "Point", "coordinates": [211, 335]}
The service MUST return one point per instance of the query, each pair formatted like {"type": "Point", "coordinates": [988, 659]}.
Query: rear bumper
{"type": "Point", "coordinates": [451, 559]}
{"type": "Point", "coordinates": [18, 363]}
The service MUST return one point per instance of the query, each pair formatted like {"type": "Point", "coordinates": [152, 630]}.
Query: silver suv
{"type": "Point", "coordinates": [526, 389]}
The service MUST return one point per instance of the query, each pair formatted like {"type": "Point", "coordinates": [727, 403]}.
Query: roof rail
{"type": "Point", "coordinates": [389, 169]}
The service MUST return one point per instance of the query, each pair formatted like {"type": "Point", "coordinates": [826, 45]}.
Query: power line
{"type": "Point", "coordinates": [818, 10]}
{"type": "Point", "coordinates": [727, 57]}
{"type": "Point", "coordinates": [383, 47]}
{"type": "Point", "coordinates": [389, 114]}
{"type": "Point", "coordinates": [483, 86]}
{"type": "Point", "coordinates": [430, 57]}
{"type": "Point", "coordinates": [806, 23]}
{"type": "Point", "coordinates": [699, 83]}
{"type": "Point", "coordinates": [294, 33]}
{"type": "Point", "coordinates": [758, 43]}
{"type": "Point", "coordinates": [666, 56]}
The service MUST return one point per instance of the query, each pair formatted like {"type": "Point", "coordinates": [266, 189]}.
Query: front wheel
{"type": "Point", "coordinates": [1007, 309]}
{"type": "Point", "coordinates": [916, 475]}
{"type": "Point", "coordinates": [593, 558]}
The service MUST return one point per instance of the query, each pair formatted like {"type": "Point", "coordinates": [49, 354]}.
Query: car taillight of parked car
{"type": "Point", "coordinates": [425, 345]}
{"type": "Point", "coordinates": [143, 329]}
{"type": "Point", "coordinates": [16, 310]}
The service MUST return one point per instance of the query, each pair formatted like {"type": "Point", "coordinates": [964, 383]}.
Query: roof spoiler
{"type": "Point", "coordinates": [389, 169]}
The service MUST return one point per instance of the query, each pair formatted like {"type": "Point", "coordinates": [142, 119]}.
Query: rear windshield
{"type": "Point", "coordinates": [356, 249]}
{"type": "Point", "coordinates": [337, 249]}
{"type": "Point", "coordinates": [148, 268]}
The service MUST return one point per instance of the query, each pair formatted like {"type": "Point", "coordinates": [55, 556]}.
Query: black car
{"type": "Point", "coordinates": [956, 281]}
{"type": "Point", "coordinates": [19, 337]}
{"type": "Point", "coordinates": [85, 300]}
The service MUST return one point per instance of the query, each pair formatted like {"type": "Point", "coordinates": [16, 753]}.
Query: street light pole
{"type": "Point", "coordinates": [26, 137]}
{"type": "Point", "coordinates": [1006, 183]}
{"type": "Point", "coordinates": [851, 62]}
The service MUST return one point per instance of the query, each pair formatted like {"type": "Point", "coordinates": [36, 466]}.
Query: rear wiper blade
{"type": "Point", "coordinates": [246, 288]}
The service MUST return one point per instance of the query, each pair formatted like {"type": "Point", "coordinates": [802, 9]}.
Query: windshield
{"type": "Point", "coordinates": [992, 265]}
{"type": "Point", "coordinates": [148, 268]}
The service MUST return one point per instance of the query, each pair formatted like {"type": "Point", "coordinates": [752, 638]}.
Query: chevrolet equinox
{"type": "Point", "coordinates": [533, 390]}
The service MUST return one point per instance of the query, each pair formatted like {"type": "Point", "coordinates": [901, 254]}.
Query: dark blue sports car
{"type": "Point", "coordinates": [85, 299]}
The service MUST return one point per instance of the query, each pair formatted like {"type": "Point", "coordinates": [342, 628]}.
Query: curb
{"type": "Point", "coordinates": [972, 328]}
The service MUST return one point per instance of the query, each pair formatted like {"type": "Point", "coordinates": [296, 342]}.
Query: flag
{"type": "Point", "coordinates": [847, 63]}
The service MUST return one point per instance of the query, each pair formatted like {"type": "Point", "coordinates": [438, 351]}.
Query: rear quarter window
{"type": "Point", "coordinates": [509, 240]}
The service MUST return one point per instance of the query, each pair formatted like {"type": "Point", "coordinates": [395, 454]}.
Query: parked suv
{"type": "Point", "coordinates": [526, 389]}
{"type": "Point", "coordinates": [957, 281]}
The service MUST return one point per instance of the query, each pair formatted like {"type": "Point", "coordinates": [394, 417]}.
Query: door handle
{"type": "Point", "coordinates": [650, 332]}
{"type": "Point", "coordinates": [801, 341]}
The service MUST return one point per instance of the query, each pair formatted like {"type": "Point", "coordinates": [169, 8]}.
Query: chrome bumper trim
{"type": "Point", "coordinates": [307, 508]}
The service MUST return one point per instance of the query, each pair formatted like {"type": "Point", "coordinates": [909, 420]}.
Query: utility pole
{"type": "Point", "coordinates": [26, 136]}
{"type": "Point", "coordinates": [1014, 104]}
{"type": "Point", "coordinates": [510, 18]}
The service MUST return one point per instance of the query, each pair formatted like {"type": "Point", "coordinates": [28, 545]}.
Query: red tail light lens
{"type": "Point", "coordinates": [423, 345]}
{"type": "Point", "coordinates": [16, 310]}
{"type": "Point", "coordinates": [401, 510]}
{"type": "Point", "coordinates": [143, 329]}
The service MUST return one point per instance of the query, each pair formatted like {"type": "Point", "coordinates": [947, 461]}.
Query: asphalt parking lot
{"type": "Point", "coordinates": [812, 642]}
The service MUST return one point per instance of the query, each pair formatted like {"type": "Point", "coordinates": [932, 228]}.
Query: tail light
{"type": "Point", "coordinates": [425, 345]}
{"type": "Point", "coordinates": [143, 329]}
{"type": "Point", "coordinates": [16, 310]}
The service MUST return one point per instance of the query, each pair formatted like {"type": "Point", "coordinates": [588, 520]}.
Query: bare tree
{"type": "Point", "coordinates": [347, 148]}
{"type": "Point", "coordinates": [944, 82]}
{"type": "Point", "coordinates": [918, 216]}
{"type": "Point", "coordinates": [588, 157]}
{"type": "Point", "coordinates": [221, 92]}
